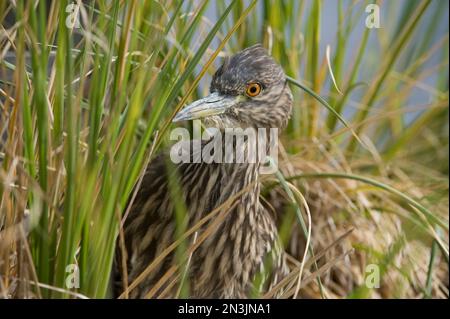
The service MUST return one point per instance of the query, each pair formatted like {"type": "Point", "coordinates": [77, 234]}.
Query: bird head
{"type": "Point", "coordinates": [248, 90]}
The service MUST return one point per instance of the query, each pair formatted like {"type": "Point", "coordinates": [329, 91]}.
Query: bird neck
{"type": "Point", "coordinates": [240, 146]}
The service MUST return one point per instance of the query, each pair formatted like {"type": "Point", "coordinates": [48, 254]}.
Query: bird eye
{"type": "Point", "coordinates": [253, 89]}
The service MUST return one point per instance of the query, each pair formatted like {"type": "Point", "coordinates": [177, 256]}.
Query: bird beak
{"type": "Point", "coordinates": [213, 104]}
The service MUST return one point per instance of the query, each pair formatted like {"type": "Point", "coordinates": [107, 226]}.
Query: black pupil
{"type": "Point", "coordinates": [253, 89]}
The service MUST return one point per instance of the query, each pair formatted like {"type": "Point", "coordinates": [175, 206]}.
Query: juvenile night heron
{"type": "Point", "coordinates": [248, 91]}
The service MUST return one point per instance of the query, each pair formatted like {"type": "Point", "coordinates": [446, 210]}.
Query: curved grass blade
{"type": "Point", "coordinates": [328, 106]}
{"type": "Point", "coordinates": [298, 212]}
{"type": "Point", "coordinates": [431, 218]}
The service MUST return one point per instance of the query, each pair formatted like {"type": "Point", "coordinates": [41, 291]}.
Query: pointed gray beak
{"type": "Point", "coordinates": [213, 104]}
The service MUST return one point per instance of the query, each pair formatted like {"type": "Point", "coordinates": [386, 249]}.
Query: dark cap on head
{"type": "Point", "coordinates": [248, 90]}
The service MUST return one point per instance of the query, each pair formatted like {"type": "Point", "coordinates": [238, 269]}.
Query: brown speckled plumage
{"type": "Point", "coordinates": [246, 241]}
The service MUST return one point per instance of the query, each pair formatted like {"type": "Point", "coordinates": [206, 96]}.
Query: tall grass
{"type": "Point", "coordinates": [84, 107]}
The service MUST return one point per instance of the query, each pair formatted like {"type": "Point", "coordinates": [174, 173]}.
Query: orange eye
{"type": "Point", "coordinates": [253, 89]}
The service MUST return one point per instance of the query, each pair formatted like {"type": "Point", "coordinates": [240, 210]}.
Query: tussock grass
{"type": "Point", "coordinates": [83, 110]}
